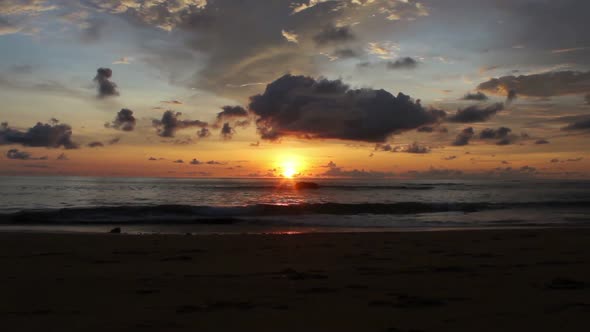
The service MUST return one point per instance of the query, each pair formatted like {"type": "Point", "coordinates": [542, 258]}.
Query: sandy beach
{"type": "Point", "coordinates": [497, 280]}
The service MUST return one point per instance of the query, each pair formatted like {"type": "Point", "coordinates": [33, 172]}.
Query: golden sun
{"type": "Point", "coordinates": [290, 167]}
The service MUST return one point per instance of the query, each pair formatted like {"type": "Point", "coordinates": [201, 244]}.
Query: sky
{"type": "Point", "coordinates": [318, 88]}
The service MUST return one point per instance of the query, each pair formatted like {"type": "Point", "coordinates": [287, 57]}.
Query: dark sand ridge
{"type": "Point", "coordinates": [500, 280]}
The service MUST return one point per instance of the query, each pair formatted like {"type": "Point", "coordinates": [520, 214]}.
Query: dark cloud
{"type": "Point", "coordinates": [195, 162]}
{"type": "Point", "coordinates": [477, 96]}
{"type": "Point", "coordinates": [450, 158]}
{"type": "Point", "coordinates": [231, 112]}
{"type": "Point", "coordinates": [511, 97]}
{"type": "Point", "coordinates": [123, 121]}
{"type": "Point", "coordinates": [409, 148]}
{"type": "Point", "coordinates": [503, 135]}
{"type": "Point", "coordinates": [509, 171]}
{"type": "Point", "coordinates": [303, 106]}
{"type": "Point", "coordinates": [106, 87]}
{"type": "Point", "coordinates": [19, 155]}
{"type": "Point", "coordinates": [415, 148]}
{"type": "Point", "coordinates": [114, 141]}
{"type": "Point", "coordinates": [490, 133]}
{"type": "Point", "coordinates": [52, 135]}
{"type": "Point", "coordinates": [170, 123]}
{"type": "Point", "coordinates": [152, 159]}
{"type": "Point", "coordinates": [540, 85]}
{"type": "Point", "coordinates": [179, 161]}
{"type": "Point", "coordinates": [403, 63]}
{"type": "Point", "coordinates": [476, 113]}
{"type": "Point", "coordinates": [95, 144]}
{"type": "Point", "coordinates": [583, 124]}
{"type": "Point", "coordinates": [334, 34]}
{"type": "Point", "coordinates": [172, 102]}
{"type": "Point", "coordinates": [203, 133]}
{"type": "Point", "coordinates": [345, 53]}
{"type": "Point", "coordinates": [542, 141]}
{"type": "Point", "coordinates": [227, 132]}
{"type": "Point", "coordinates": [62, 157]}
{"type": "Point", "coordinates": [335, 171]}
{"type": "Point", "coordinates": [464, 137]}
{"type": "Point", "coordinates": [431, 129]}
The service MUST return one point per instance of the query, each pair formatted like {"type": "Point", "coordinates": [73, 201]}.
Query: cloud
{"type": "Point", "coordinates": [210, 162]}
{"type": "Point", "coordinates": [172, 102]}
{"type": "Point", "coordinates": [503, 134]}
{"type": "Point", "coordinates": [123, 61]}
{"type": "Point", "coordinates": [231, 112]}
{"type": "Point", "coordinates": [335, 171]}
{"type": "Point", "coordinates": [542, 141]}
{"type": "Point", "coordinates": [25, 7]}
{"type": "Point", "coordinates": [332, 34]}
{"type": "Point", "coordinates": [52, 135]}
{"type": "Point", "coordinates": [464, 137]}
{"type": "Point", "coordinates": [511, 97]}
{"type": "Point", "coordinates": [170, 123]}
{"type": "Point", "coordinates": [415, 148]}
{"type": "Point", "coordinates": [16, 154]}
{"type": "Point", "coordinates": [227, 132]}
{"type": "Point", "coordinates": [179, 161]}
{"type": "Point", "coordinates": [548, 84]}
{"type": "Point", "coordinates": [123, 121]}
{"type": "Point", "coordinates": [345, 53]}
{"type": "Point", "coordinates": [240, 42]}
{"type": "Point", "coordinates": [319, 109]}
{"type": "Point", "coordinates": [490, 133]}
{"type": "Point", "coordinates": [385, 50]}
{"type": "Point", "coordinates": [203, 133]}
{"type": "Point", "coordinates": [409, 148]}
{"type": "Point", "coordinates": [583, 124]}
{"type": "Point", "coordinates": [95, 144]}
{"type": "Point", "coordinates": [291, 37]}
{"type": "Point", "coordinates": [106, 87]}
{"type": "Point", "coordinates": [62, 157]}
{"type": "Point", "coordinates": [477, 96]}
{"type": "Point", "coordinates": [165, 15]}
{"type": "Point", "coordinates": [7, 28]}
{"type": "Point", "coordinates": [152, 159]}
{"type": "Point", "coordinates": [403, 63]}
{"type": "Point", "coordinates": [476, 113]}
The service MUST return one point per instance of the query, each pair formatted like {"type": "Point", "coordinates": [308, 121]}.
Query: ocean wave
{"type": "Point", "coordinates": [234, 214]}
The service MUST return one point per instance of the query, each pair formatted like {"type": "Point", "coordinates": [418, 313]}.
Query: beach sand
{"type": "Point", "coordinates": [495, 280]}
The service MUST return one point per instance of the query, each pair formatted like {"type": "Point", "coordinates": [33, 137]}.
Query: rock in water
{"type": "Point", "coordinates": [116, 230]}
{"type": "Point", "coordinates": [306, 185]}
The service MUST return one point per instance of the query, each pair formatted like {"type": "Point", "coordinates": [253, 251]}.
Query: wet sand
{"type": "Point", "coordinates": [497, 280]}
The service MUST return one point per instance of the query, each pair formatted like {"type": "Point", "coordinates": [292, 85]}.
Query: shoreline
{"type": "Point", "coordinates": [509, 280]}
{"type": "Point", "coordinates": [221, 230]}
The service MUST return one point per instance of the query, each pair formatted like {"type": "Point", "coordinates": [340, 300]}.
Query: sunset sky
{"type": "Point", "coordinates": [322, 88]}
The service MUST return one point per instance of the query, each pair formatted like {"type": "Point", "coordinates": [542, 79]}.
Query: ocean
{"type": "Point", "coordinates": [165, 205]}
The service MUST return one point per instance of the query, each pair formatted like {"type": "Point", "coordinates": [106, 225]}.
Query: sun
{"type": "Point", "coordinates": [290, 167]}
